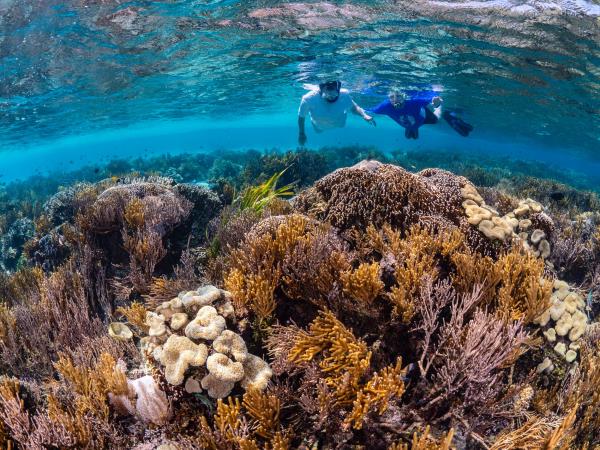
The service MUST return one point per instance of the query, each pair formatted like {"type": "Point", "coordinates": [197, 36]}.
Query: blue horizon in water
{"type": "Point", "coordinates": [273, 132]}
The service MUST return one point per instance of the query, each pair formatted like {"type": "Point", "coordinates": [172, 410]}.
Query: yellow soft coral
{"type": "Point", "coordinates": [92, 385]}
{"type": "Point", "coordinates": [345, 359]}
{"type": "Point", "coordinates": [363, 283]}
{"type": "Point", "coordinates": [377, 393]}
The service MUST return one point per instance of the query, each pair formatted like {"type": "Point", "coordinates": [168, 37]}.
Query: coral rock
{"type": "Point", "coordinates": [545, 366]}
{"type": "Point", "coordinates": [543, 319]}
{"type": "Point", "coordinates": [561, 285]}
{"type": "Point", "coordinates": [577, 331]}
{"type": "Point", "coordinates": [207, 325]}
{"type": "Point", "coordinates": [167, 309]}
{"type": "Point", "coordinates": [564, 324]}
{"type": "Point", "coordinates": [544, 248]}
{"type": "Point", "coordinates": [570, 356]}
{"type": "Point", "coordinates": [524, 224]}
{"type": "Point", "coordinates": [206, 295]}
{"type": "Point", "coordinates": [557, 310]}
{"type": "Point", "coordinates": [158, 329]}
{"type": "Point", "coordinates": [560, 348]}
{"type": "Point", "coordinates": [550, 334]}
{"type": "Point", "coordinates": [178, 321]}
{"type": "Point", "coordinates": [537, 236]}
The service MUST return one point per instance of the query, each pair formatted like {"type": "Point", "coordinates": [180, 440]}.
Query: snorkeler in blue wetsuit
{"type": "Point", "coordinates": [420, 109]}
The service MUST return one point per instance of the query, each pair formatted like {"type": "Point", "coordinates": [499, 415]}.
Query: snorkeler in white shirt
{"type": "Point", "coordinates": [328, 108]}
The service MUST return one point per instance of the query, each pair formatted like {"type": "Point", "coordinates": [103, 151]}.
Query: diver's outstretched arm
{"type": "Point", "coordinates": [361, 112]}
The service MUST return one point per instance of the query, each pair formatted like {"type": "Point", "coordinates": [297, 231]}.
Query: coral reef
{"type": "Point", "coordinates": [379, 308]}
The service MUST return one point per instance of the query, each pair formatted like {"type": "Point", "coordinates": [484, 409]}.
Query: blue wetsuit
{"type": "Point", "coordinates": [414, 108]}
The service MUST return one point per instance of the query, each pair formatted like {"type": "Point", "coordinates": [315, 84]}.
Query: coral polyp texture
{"type": "Point", "coordinates": [377, 309]}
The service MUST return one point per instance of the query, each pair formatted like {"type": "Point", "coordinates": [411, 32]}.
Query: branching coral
{"type": "Point", "coordinates": [395, 196]}
{"type": "Point", "coordinates": [376, 394]}
{"type": "Point", "coordinates": [275, 254]}
{"type": "Point", "coordinates": [412, 259]}
{"type": "Point", "coordinates": [135, 315]}
{"type": "Point", "coordinates": [344, 359]}
{"type": "Point", "coordinates": [464, 353]}
{"type": "Point", "coordinates": [92, 385]}
{"type": "Point", "coordinates": [363, 283]}
{"type": "Point", "coordinates": [425, 441]}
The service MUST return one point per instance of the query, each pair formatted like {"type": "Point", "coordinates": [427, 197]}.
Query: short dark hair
{"type": "Point", "coordinates": [331, 84]}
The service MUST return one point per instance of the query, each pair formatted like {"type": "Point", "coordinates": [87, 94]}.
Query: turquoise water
{"type": "Point", "coordinates": [82, 82]}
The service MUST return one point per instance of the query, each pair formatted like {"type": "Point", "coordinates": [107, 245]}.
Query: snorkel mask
{"type": "Point", "coordinates": [330, 90]}
{"type": "Point", "coordinates": [397, 98]}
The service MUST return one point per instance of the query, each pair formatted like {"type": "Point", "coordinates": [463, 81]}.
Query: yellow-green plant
{"type": "Point", "coordinates": [258, 197]}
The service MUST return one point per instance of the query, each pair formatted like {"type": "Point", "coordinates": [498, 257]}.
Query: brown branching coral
{"type": "Point", "coordinates": [538, 433]}
{"type": "Point", "coordinates": [463, 354]}
{"type": "Point", "coordinates": [515, 285]}
{"type": "Point", "coordinates": [275, 255]}
{"type": "Point", "coordinates": [264, 409]}
{"type": "Point", "coordinates": [55, 318]}
{"type": "Point", "coordinates": [524, 292]}
{"type": "Point", "coordinates": [395, 196]}
{"type": "Point", "coordinates": [135, 315]}
{"type": "Point", "coordinates": [412, 258]}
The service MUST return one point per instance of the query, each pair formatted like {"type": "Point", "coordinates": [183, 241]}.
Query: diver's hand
{"type": "Point", "coordinates": [436, 101]}
{"type": "Point", "coordinates": [370, 120]}
{"type": "Point", "coordinates": [302, 139]}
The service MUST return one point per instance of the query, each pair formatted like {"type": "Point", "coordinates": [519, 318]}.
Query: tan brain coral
{"type": "Point", "coordinates": [207, 325]}
{"type": "Point", "coordinates": [257, 373]}
{"type": "Point", "coordinates": [231, 344]}
{"type": "Point", "coordinates": [178, 354]}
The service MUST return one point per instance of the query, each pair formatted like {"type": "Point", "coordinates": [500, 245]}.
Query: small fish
{"type": "Point", "coordinates": [96, 170]}
{"type": "Point", "coordinates": [557, 196]}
